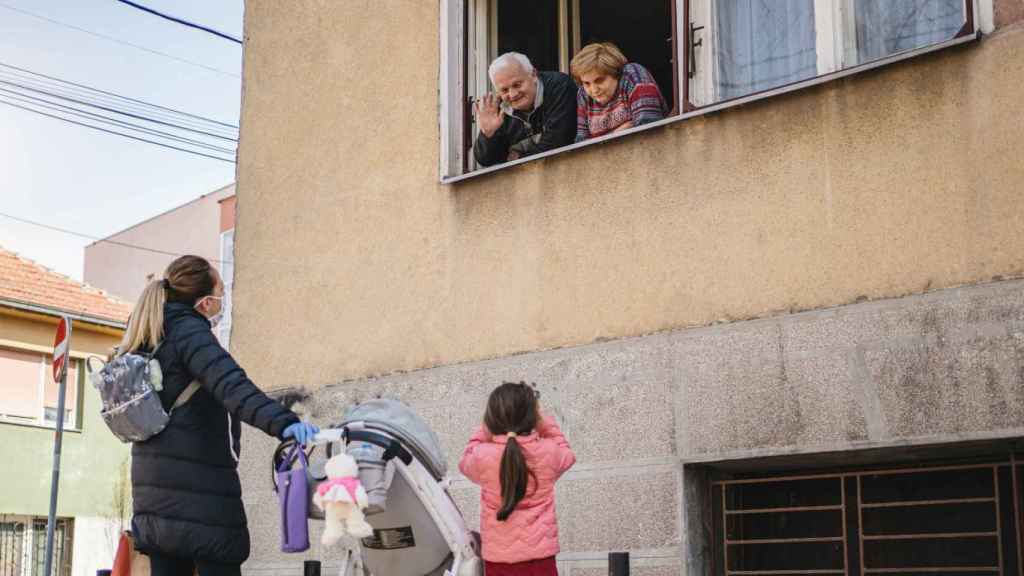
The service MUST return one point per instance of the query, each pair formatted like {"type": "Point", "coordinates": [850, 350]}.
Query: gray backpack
{"type": "Point", "coordinates": [129, 387]}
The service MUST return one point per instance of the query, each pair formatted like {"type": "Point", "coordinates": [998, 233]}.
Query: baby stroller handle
{"type": "Point", "coordinates": [391, 446]}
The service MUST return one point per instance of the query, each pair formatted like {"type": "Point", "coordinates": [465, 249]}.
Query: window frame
{"type": "Point", "coordinates": [854, 534]}
{"type": "Point", "coordinates": [75, 407]}
{"type": "Point", "coordinates": [455, 70]}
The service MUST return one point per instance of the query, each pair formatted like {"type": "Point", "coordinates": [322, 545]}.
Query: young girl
{"type": "Point", "coordinates": [516, 457]}
{"type": "Point", "coordinates": [614, 94]}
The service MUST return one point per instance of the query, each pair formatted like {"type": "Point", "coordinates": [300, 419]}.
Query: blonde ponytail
{"type": "Point", "coordinates": [146, 324]}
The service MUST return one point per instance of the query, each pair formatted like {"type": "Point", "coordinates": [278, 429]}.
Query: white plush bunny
{"type": "Point", "coordinates": [343, 499]}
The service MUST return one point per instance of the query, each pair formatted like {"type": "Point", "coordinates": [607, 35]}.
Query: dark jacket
{"type": "Point", "coordinates": [186, 493]}
{"type": "Point", "coordinates": [549, 126]}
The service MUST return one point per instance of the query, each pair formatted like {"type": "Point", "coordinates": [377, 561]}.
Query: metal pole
{"type": "Point", "coordinates": [51, 520]}
{"type": "Point", "coordinates": [618, 564]}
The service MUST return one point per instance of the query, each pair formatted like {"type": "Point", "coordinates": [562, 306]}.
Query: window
{"type": "Point", "coordinates": [742, 47]}
{"type": "Point", "coordinates": [700, 52]}
{"type": "Point", "coordinates": [28, 394]}
{"type": "Point", "coordinates": [943, 520]}
{"type": "Point", "coordinates": [23, 546]}
{"type": "Point", "coordinates": [227, 274]}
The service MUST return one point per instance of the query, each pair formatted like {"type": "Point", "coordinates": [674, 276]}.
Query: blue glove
{"type": "Point", "coordinates": [302, 432]}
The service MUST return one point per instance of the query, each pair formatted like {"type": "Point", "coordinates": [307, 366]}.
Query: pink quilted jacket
{"type": "Point", "coordinates": [531, 532]}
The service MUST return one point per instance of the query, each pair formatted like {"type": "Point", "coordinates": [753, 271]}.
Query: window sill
{"type": "Point", "coordinates": [8, 422]}
{"type": "Point", "coordinates": [719, 106]}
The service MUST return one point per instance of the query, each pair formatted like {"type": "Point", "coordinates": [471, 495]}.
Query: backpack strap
{"type": "Point", "coordinates": [185, 395]}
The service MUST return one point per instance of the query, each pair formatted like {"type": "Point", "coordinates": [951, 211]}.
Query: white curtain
{"type": "Point", "coordinates": [886, 27]}
{"type": "Point", "coordinates": [762, 44]}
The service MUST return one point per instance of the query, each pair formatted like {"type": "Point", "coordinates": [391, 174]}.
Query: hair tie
{"type": "Point", "coordinates": [166, 284]}
{"type": "Point", "coordinates": [511, 434]}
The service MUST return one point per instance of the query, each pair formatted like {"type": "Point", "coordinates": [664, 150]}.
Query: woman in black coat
{"type": "Point", "coordinates": [187, 497]}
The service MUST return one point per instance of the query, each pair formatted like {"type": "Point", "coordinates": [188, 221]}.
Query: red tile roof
{"type": "Point", "coordinates": [27, 282]}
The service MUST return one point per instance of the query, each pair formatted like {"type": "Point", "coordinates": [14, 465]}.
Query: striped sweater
{"type": "Point", "coordinates": [637, 100]}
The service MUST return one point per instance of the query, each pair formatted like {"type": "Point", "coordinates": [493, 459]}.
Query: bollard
{"type": "Point", "coordinates": [618, 564]}
{"type": "Point", "coordinates": [311, 568]}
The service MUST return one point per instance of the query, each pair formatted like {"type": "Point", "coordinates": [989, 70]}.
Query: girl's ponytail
{"type": "Point", "coordinates": [514, 476]}
{"type": "Point", "coordinates": [511, 410]}
{"type": "Point", "coordinates": [146, 324]}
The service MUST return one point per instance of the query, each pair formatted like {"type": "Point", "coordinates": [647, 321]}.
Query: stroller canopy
{"type": "Point", "coordinates": [400, 421]}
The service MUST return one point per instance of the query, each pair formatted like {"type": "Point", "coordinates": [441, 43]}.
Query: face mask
{"type": "Point", "coordinates": [216, 318]}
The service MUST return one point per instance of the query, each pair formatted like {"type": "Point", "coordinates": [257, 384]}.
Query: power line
{"type": "Point", "coordinates": [103, 240]}
{"type": "Point", "coordinates": [90, 88]}
{"type": "Point", "coordinates": [115, 111]}
{"type": "Point", "coordinates": [180, 21]}
{"type": "Point", "coordinates": [119, 41]}
{"type": "Point", "coordinates": [231, 161]}
{"type": "Point", "coordinates": [53, 106]}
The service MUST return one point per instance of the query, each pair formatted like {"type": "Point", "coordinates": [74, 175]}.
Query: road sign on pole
{"type": "Point", "coordinates": [61, 358]}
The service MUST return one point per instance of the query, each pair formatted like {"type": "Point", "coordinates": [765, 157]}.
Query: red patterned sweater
{"type": "Point", "coordinates": [637, 99]}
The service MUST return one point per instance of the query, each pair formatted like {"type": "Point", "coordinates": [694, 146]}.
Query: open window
{"type": "Point", "coordinates": [550, 32]}
{"type": "Point", "coordinates": [700, 52]}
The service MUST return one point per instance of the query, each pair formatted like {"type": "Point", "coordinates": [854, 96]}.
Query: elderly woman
{"type": "Point", "coordinates": [613, 94]}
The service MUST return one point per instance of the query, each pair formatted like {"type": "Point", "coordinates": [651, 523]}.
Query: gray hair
{"type": "Point", "coordinates": [507, 59]}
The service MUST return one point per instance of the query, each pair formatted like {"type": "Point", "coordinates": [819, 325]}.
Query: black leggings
{"type": "Point", "coordinates": [167, 566]}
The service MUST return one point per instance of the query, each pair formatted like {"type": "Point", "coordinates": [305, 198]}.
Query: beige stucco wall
{"type": "Point", "coordinates": [892, 182]}
{"type": "Point", "coordinates": [193, 228]}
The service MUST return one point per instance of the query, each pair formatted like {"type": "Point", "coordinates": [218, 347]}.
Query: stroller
{"type": "Point", "coordinates": [417, 528]}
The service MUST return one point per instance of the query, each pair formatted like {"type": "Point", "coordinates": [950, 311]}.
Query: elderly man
{"type": "Point", "coordinates": [531, 112]}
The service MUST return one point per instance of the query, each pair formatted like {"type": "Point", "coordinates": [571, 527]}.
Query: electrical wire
{"type": "Point", "coordinates": [103, 240]}
{"type": "Point", "coordinates": [56, 107]}
{"type": "Point", "coordinates": [119, 41]}
{"type": "Point", "coordinates": [124, 113]}
{"type": "Point", "coordinates": [180, 20]}
{"type": "Point", "coordinates": [231, 161]}
{"type": "Point", "coordinates": [119, 96]}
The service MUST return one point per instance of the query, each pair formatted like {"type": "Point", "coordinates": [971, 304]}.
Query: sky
{"type": "Point", "coordinates": [94, 183]}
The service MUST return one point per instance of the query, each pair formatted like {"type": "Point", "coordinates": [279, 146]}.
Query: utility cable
{"type": "Point", "coordinates": [115, 111]}
{"type": "Point", "coordinates": [119, 41]}
{"type": "Point", "coordinates": [231, 161]}
{"type": "Point", "coordinates": [62, 108]}
{"type": "Point", "coordinates": [4, 65]}
{"type": "Point", "coordinates": [180, 20]}
{"type": "Point", "coordinates": [103, 240]}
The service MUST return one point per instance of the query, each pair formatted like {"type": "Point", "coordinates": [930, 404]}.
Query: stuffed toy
{"type": "Point", "coordinates": [343, 499]}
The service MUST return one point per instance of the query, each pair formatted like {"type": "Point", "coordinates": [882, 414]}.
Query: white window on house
{"type": "Point", "coordinates": [23, 546]}
{"type": "Point", "coordinates": [227, 275]}
{"type": "Point", "coordinates": [742, 47]}
{"type": "Point", "coordinates": [28, 394]}
{"type": "Point", "coordinates": [700, 52]}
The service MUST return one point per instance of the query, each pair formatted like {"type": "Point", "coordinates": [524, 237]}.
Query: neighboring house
{"type": "Point", "coordinates": [783, 330]}
{"type": "Point", "coordinates": [122, 263]}
{"type": "Point", "coordinates": [94, 499]}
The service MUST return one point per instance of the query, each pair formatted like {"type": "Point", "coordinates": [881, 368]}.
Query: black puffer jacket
{"type": "Point", "coordinates": [551, 125]}
{"type": "Point", "coordinates": [185, 486]}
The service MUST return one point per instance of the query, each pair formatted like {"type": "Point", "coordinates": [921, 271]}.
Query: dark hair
{"type": "Point", "coordinates": [512, 407]}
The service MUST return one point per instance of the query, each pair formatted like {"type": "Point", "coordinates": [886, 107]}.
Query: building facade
{"type": "Point", "coordinates": [94, 502]}
{"type": "Point", "coordinates": [122, 263]}
{"type": "Point", "coordinates": [783, 329]}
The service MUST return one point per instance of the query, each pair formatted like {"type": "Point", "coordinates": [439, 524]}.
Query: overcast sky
{"type": "Point", "coordinates": [96, 183]}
